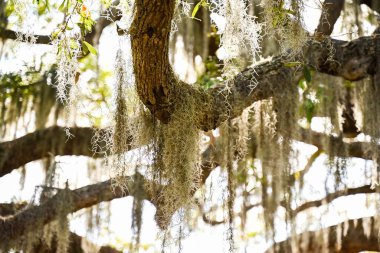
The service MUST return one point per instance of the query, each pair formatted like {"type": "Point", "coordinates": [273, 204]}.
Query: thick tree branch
{"type": "Point", "coordinates": [150, 32]}
{"type": "Point", "coordinates": [12, 35]}
{"type": "Point", "coordinates": [352, 60]}
{"type": "Point", "coordinates": [16, 226]}
{"type": "Point", "coordinates": [77, 242]}
{"type": "Point", "coordinates": [162, 93]}
{"type": "Point", "coordinates": [54, 141]}
{"type": "Point", "coordinates": [44, 143]}
{"type": "Point", "coordinates": [351, 236]}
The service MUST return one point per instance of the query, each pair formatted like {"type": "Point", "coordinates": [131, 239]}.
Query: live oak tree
{"type": "Point", "coordinates": [244, 115]}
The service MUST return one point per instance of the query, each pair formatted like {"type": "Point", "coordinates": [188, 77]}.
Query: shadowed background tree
{"type": "Point", "coordinates": [218, 112]}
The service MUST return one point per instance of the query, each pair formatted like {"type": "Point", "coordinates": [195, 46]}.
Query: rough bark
{"type": "Point", "coordinates": [150, 32]}
{"type": "Point", "coordinates": [159, 90]}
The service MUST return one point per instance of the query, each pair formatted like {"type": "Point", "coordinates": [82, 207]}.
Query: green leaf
{"type": "Point", "coordinates": [68, 4]}
{"type": "Point", "coordinates": [42, 6]}
{"type": "Point", "coordinates": [64, 6]}
{"type": "Point", "coordinates": [10, 8]}
{"type": "Point", "coordinates": [302, 84]}
{"type": "Point", "coordinates": [55, 34]}
{"type": "Point", "coordinates": [89, 47]}
{"type": "Point", "coordinates": [47, 5]}
{"type": "Point", "coordinates": [310, 108]}
{"type": "Point", "coordinates": [307, 74]}
{"type": "Point", "coordinates": [252, 234]}
{"type": "Point", "coordinates": [196, 8]}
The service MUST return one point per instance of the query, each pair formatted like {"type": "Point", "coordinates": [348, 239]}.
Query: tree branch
{"type": "Point", "coordinates": [346, 149]}
{"type": "Point", "coordinates": [44, 143]}
{"type": "Point", "coordinates": [332, 196]}
{"type": "Point", "coordinates": [331, 10]}
{"type": "Point", "coordinates": [300, 174]}
{"type": "Point", "coordinates": [162, 93]}
{"type": "Point", "coordinates": [53, 140]}
{"type": "Point", "coordinates": [106, 18]}
{"type": "Point", "coordinates": [150, 32]}
{"type": "Point", "coordinates": [12, 35]}
{"type": "Point", "coordinates": [352, 60]}
{"type": "Point", "coordinates": [16, 226]}
{"type": "Point", "coordinates": [7, 209]}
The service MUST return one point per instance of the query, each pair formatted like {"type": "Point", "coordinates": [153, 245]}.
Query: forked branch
{"type": "Point", "coordinates": [331, 10]}
{"type": "Point", "coordinates": [161, 92]}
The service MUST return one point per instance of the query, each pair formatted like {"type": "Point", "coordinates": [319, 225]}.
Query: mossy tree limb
{"type": "Point", "coordinates": [44, 143]}
{"type": "Point", "coordinates": [41, 143]}
{"type": "Point", "coordinates": [14, 227]}
{"type": "Point", "coordinates": [94, 194]}
{"type": "Point", "coordinates": [160, 89]}
{"type": "Point", "coordinates": [352, 60]}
